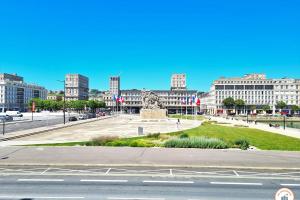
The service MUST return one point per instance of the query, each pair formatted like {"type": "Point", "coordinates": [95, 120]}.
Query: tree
{"type": "Point", "coordinates": [239, 104]}
{"type": "Point", "coordinates": [94, 104]}
{"type": "Point", "coordinates": [94, 91]}
{"type": "Point", "coordinates": [252, 108]}
{"type": "Point", "coordinates": [38, 103]}
{"type": "Point", "coordinates": [281, 105]}
{"type": "Point", "coordinates": [229, 102]}
{"type": "Point", "coordinates": [295, 108]}
{"type": "Point", "coordinates": [266, 108]}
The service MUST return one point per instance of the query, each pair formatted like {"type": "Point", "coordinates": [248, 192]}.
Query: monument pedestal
{"type": "Point", "coordinates": [153, 113]}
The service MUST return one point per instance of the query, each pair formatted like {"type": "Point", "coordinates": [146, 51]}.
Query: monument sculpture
{"type": "Point", "coordinates": [152, 106]}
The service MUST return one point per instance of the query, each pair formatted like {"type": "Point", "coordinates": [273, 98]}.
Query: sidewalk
{"type": "Point", "coordinates": [158, 157]}
{"type": "Point", "coordinates": [29, 132]}
{"type": "Point", "coordinates": [292, 132]}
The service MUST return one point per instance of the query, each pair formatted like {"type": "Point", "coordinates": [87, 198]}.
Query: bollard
{"type": "Point", "coordinates": [140, 130]}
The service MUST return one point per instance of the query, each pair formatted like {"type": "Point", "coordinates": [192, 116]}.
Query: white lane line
{"type": "Point", "coordinates": [290, 184]}
{"type": "Point", "coordinates": [106, 173]}
{"type": "Point", "coordinates": [104, 181]}
{"type": "Point", "coordinates": [45, 171]}
{"type": "Point", "coordinates": [134, 198]}
{"type": "Point", "coordinates": [234, 183]}
{"type": "Point", "coordinates": [41, 180]}
{"type": "Point", "coordinates": [33, 197]}
{"type": "Point", "coordinates": [235, 173]}
{"type": "Point", "coordinates": [173, 182]}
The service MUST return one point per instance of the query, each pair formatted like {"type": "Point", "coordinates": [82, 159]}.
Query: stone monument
{"type": "Point", "coordinates": [152, 106]}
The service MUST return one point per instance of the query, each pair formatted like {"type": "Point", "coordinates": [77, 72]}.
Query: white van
{"type": "Point", "coordinates": [14, 113]}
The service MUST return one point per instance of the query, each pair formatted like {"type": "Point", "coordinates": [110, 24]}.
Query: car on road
{"type": "Point", "coordinates": [14, 113]}
{"type": "Point", "coordinates": [91, 115]}
{"type": "Point", "coordinates": [6, 118]}
{"type": "Point", "coordinates": [73, 118]}
{"type": "Point", "coordinates": [83, 116]}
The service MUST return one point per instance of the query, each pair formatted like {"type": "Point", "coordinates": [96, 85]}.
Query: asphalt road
{"type": "Point", "coordinates": [22, 183]}
{"type": "Point", "coordinates": [138, 188]}
{"type": "Point", "coordinates": [28, 124]}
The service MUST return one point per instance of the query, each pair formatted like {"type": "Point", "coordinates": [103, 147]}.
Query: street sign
{"type": "Point", "coordinates": [33, 107]}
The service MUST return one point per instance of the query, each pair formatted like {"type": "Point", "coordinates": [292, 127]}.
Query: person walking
{"type": "Point", "coordinates": [178, 123]}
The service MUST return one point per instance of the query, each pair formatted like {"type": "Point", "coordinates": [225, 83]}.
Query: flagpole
{"type": "Point", "coordinates": [186, 102]}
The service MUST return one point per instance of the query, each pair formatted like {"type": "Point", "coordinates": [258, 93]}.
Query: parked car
{"type": "Point", "coordinates": [101, 114]}
{"type": "Point", "coordinates": [91, 115]}
{"type": "Point", "coordinates": [73, 118]}
{"type": "Point", "coordinates": [6, 118]}
{"type": "Point", "coordinates": [14, 113]}
{"type": "Point", "coordinates": [83, 116]}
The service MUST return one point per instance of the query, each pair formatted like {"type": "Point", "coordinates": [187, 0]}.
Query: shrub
{"type": "Point", "coordinates": [196, 142]}
{"type": "Point", "coordinates": [183, 135]}
{"type": "Point", "coordinates": [154, 135]}
{"type": "Point", "coordinates": [242, 144]}
{"type": "Point", "coordinates": [102, 140]}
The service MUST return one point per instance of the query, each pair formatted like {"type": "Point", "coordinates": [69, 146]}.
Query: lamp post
{"type": "Point", "coordinates": [284, 122]}
{"type": "Point", "coordinates": [64, 105]}
{"type": "Point", "coordinates": [3, 126]}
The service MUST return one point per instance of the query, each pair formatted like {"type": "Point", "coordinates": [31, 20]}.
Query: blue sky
{"type": "Point", "coordinates": [147, 41]}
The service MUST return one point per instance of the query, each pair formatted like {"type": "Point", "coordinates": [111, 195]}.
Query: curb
{"type": "Point", "coordinates": [50, 129]}
{"type": "Point", "coordinates": [150, 165]}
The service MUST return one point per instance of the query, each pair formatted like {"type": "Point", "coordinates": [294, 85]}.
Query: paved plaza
{"type": "Point", "coordinates": [121, 126]}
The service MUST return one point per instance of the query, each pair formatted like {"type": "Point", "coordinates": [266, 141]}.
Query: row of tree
{"type": "Point", "coordinates": [77, 105]}
{"type": "Point", "coordinates": [230, 103]}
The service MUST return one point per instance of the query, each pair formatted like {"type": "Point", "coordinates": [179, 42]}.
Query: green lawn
{"type": "Point", "coordinates": [260, 139]}
{"type": "Point", "coordinates": [198, 117]}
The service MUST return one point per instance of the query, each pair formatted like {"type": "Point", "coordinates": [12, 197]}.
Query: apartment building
{"type": "Point", "coordinates": [178, 82]}
{"type": "Point", "coordinates": [15, 94]}
{"type": "Point", "coordinates": [255, 90]}
{"type": "Point", "coordinates": [77, 87]}
{"type": "Point", "coordinates": [114, 85]}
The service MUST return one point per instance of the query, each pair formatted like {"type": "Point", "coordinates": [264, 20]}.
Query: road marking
{"type": "Point", "coordinates": [41, 180]}
{"type": "Point", "coordinates": [106, 173]}
{"type": "Point", "coordinates": [134, 198]}
{"type": "Point", "coordinates": [104, 181]}
{"type": "Point", "coordinates": [22, 197]}
{"type": "Point", "coordinates": [234, 183]}
{"type": "Point", "coordinates": [290, 184]}
{"type": "Point", "coordinates": [45, 171]}
{"type": "Point", "coordinates": [174, 182]}
{"type": "Point", "coordinates": [235, 173]}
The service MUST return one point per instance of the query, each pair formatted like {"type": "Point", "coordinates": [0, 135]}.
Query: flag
{"type": "Point", "coordinates": [184, 100]}
{"type": "Point", "coordinates": [198, 101]}
{"type": "Point", "coordinates": [191, 100]}
{"type": "Point", "coordinates": [120, 99]}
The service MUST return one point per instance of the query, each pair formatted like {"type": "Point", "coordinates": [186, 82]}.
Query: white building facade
{"type": "Point", "coordinates": [15, 94]}
{"type": "Point", "coordinates": [178, 82]}
{"type": "Point", "coordinates": [255, 90]}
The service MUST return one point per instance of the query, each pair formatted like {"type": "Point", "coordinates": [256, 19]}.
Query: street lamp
{"type": "Point", "coordinates": [64, 105]}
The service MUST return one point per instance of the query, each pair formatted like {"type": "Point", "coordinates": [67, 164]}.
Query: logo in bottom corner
{"type": "Point", "coordinates": [284, 194]}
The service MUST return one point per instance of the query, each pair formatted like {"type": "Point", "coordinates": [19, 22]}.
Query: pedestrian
{"type": "Point", "coordinates": [178, 123]}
